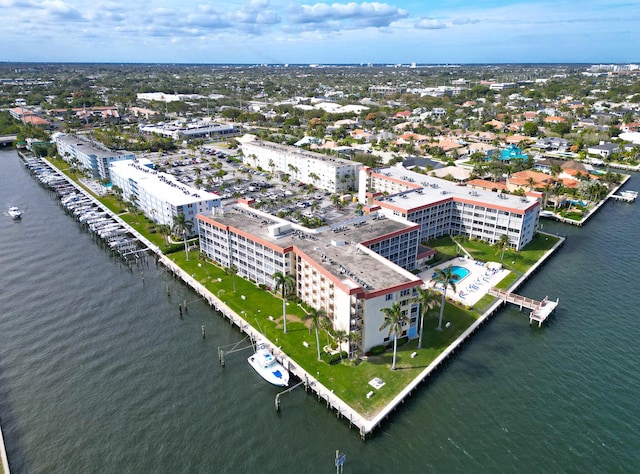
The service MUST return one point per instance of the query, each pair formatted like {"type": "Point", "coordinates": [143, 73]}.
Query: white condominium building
{"type": "Point", "coordinates": [334, 270]}
{"type": "Point", "coordinates": [159, 195]}
{"type": "Point", "coordinates": [197, 129]}
{"type": "Point", "coordinates": [441, 207]}
{"type": "Point", "coordinates": [92, 155]}
{"type": "Point", "coordinates": [325, 172]}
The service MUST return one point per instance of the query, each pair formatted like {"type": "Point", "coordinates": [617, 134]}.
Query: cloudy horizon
{"type": "Point", "coordinates": [280, 31]}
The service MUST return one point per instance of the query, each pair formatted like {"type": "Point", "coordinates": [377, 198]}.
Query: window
{"type": "Point", "coordinates": [388, 297]}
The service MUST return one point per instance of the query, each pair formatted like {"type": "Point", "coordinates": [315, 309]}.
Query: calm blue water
{"type": "Point", "coordinates": [98, 373]}
{"type": "Point", "coordinates": [460, 273]}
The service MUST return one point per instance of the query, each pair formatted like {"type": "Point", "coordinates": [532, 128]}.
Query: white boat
{"type": "Point", "coordinates": [547, 214]}
{"type": "Point", "coordinates": [264, 362]}
{"type": "Point", "coordinates": [14, 212]}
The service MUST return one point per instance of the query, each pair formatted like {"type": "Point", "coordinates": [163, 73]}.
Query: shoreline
{"type": "Point", "coordinates": [593, 211]}
{"type": "Point", "coordinates": [365, 425]}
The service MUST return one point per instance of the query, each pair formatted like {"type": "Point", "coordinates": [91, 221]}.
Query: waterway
{"type": "Point", "coordinates": [98, 372]}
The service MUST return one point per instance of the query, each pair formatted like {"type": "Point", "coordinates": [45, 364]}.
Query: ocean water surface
{"type": "Point", "coordinates": [98, 372]}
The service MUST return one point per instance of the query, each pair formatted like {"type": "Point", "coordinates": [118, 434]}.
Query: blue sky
{"type": "Point", "coordinates": [282, 31]}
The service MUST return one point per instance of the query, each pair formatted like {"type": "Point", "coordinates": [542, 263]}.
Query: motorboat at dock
{"type": "Point", "coordinates": [265, 363]}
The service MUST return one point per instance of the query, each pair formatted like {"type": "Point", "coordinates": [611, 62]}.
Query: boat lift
{"type": "Point", "coordinates": [234, 348]}
{"type": "Point", "coordinates": [290, 389]}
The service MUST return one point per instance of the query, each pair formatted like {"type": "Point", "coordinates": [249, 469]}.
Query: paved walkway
{"type": "Point", "coordinates": [310, 382]}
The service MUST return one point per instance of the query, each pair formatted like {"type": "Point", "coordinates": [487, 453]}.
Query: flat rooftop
{"type": "Point", "coordinates": [335, 249]}
{"type": "Point", "coordinates": [291, 150]}
{"type": "Point", "coordinates": [162, 185]}
{"type": "Point", "coordinates": [429, 190]}
{"type": "Point", "coordinates": [90, 147]}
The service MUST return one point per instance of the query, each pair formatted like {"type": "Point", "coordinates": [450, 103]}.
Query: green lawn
{"type": "Point", "coordinates": [348, 379]}
{"type": "Point", "coordinates": [516, 262]}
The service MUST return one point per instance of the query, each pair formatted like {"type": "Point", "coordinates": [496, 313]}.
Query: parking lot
{"type": "Point", "coordinates": [221, 172]}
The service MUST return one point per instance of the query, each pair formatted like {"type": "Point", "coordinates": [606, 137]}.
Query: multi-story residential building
{"type": "Point", "coordinates": [199, 129]}
{"type": "Point", "coordinates": [387, 90]}
{"type": "Point", "coordinates": [91, 155]}
{"type": "Point", "coordinates": [501, 86]}
{"type": "Point", "coordinates": [159, 195]}
{"type": "Point", "coordinates": [336, 269]}
{"type": "Point", "coordinates": [441, 207]}
{"type": "Point", "coordinates": [325, 172]}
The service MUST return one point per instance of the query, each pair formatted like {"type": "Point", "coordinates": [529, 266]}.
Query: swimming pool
{"type": "Point", "coordinates": [460, 273]}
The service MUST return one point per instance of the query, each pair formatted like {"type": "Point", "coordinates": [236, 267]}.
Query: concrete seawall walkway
{"type": "Point", "coordinates": [311, 383]}
{"type": "Point", "coordinates": [365, 425]}
{"type": "Point", "coordinates": [3, 455]}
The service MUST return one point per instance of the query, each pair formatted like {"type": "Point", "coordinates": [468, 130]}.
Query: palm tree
{"type": "Point", "coordinates": [427, 299]}
{"type": "Point", "coordinates": [164, 229]}
{"type": "Point", "coordinates": [341, 336]}
{"type": "Point", "coordinates": [354, 338]}
{"type": "Point", "coordinates": [327, 326]}
{"type": "Point", "coordinates": [547, 191]}
{"type": "Point", "coordinates": [502, 244]}
{"type": "Point", "coordinates": [182, 226]}
{"type": "Point", "coordinates": [447, 278]}
{"type": "Point", "coordinates": [232, 270]}
{"type": "Point", "coordinates": [316, 316]}
{"type": "Point", "coordinates": [285, 283]}
{"type": "Point", "coordinates": [394, 319]}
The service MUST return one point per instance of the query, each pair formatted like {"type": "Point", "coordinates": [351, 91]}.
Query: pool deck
{"type": "Point", "coordinates": [474, 286]}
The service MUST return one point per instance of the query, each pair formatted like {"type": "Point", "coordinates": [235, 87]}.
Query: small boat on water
{"type": "Point", "coordinates": [14, 212]}
{"type": "Point", "coordinates": [264, 362]}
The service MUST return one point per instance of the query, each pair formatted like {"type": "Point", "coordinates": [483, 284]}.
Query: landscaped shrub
{"type": "Point", "coordinates": [333, 359]}
{"type": "Point", "coordinates": [403, 340]}
{"type": "Point", "coordinates": [377, 350]}
{"type": "Point", "coordinates": [173, 248]}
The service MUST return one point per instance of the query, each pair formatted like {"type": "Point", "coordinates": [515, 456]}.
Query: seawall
{"type": "Point", "coordinates": [365, 425]}
{"type": "Point", "coordinates": [3, 455]}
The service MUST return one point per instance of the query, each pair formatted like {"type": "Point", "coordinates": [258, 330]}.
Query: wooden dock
{"type": "Point", "coordinates": [540, 310]}
{"type": "Point", "coordinates": [627, 196]}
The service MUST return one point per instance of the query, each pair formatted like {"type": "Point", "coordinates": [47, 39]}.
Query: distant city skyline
{"type": "Point", "coordinates": [282, 31]}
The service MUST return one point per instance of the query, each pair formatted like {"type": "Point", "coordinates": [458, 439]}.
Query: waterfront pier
{"type": "Point", "coordinates": [540, 310]}
{"type": "Point", "coordinates": [365, 425]}
{"type": "Point", "coordinates": [626, 196]}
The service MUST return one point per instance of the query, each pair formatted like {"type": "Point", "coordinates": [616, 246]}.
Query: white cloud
{"type": "Point", "coordinates": [347, 31]}
{"type": "Point", "coordinates": [351, 14]}
{"type": "Point", "coordinates": [430, 24]}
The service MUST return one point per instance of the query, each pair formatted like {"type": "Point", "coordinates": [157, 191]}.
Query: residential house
{"type": "Point", "coordinates": [603, 149]}
{"type": "Point", "coordinates": [528, 180]}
